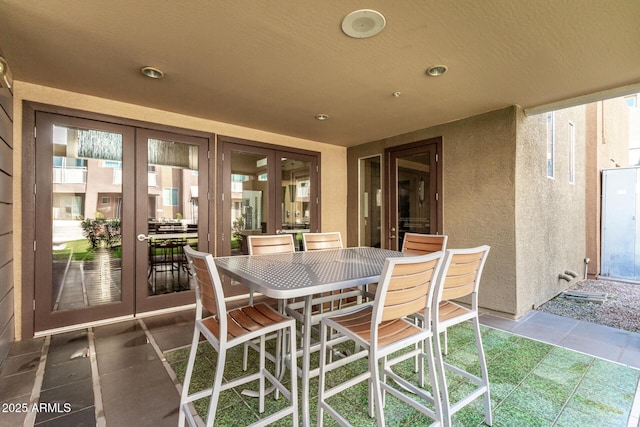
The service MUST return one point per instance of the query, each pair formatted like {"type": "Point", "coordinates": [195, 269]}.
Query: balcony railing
{"type": "Point", "coordinates": [66, 175]}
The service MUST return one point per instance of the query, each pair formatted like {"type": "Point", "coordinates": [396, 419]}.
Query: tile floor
{"type": "Point", "coordinates": [119, 374]}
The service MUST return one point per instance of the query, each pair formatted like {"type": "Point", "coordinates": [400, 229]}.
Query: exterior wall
{"type": "Point", "coordinates": [496, 192]}
{"type": "Point", "coordinates": [607, 142]}
{"type": "Point", "coordinates": [478, 163]}
{"type": "Point", "coordinates": [550, 212]}
{"type": "Point", "coordinates": [333, 158]}
{"type": "Point", "coordinates": [7, 318]}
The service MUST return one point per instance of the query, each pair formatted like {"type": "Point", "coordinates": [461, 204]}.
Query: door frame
{"type": "Point", "coordinates": [44, 317]}
{"type": "Point", "coordinates": [435, 187]}
{"type": "Point", "coordinates": [27, 227]}
{"type": "Point", "coordinates": [225, 146]}
{"type": "Point", "coordinates": [144, 302]}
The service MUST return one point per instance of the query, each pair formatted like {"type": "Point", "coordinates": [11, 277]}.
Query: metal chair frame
{"type": "Point", "coordinates": [407, 286]}
{"type": "Point", "coordinates": [233, 328]}
{"type": "Point", "coordinates": [461, 273]}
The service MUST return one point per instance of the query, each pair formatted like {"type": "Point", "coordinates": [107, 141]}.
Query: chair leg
{"type": "Point", "coordinates": [217, 385]}
{"type": "Point", "coordinates": [261, 381]}
{"type": "Point", "coordinates": [484, 372]}
{"type": "Point", "coordinates": [442, 379]}
{"type": "Point", "coordinates": [446, 342]}
{"type": "Point", "coordinates": [433, 377]}
{"type": "Point", "coordinates": [322, 373]}
{"type": "Point", "coordinates": [187, 377]}
{"type": "Point", "coordinates": [377, 389]}
{"type": "Point", "coordinates": [293, 372]}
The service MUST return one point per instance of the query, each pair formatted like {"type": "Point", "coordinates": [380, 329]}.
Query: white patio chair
{"type": "Point", "coordinates": [226, 331]}
{"type": "Point", "coordinates": [406, 286]}
{"type": "Point", "coordinates": [263, 244]}
{"type": "Point", "coordinates": [461, 272]}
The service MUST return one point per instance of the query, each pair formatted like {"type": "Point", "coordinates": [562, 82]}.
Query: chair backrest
{"type": "Point", "coordinates": [209, 292]}
{"type": "Point", "coordinates": [406, 287]}
{"type": "Point", "coordinates": [270, 244]}
{"type": "Point", "coordinates": [322, 241]}
{"type": "Point", "coordinates": [461, 272]}
{"type": "Point", "coordinates": [422, 244]}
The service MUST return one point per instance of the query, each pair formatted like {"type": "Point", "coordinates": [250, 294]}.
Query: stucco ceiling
{"type": "Point", "coordinates": [273, 65]}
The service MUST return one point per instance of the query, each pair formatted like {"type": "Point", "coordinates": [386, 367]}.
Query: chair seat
{"type": "Point", "coordinates": [359, 323]}
{"type": "Point", "coordinates": [449, 310]}
{"type": "Point", "coordinates": [245, 320]}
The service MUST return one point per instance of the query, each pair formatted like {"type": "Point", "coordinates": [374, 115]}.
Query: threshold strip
{"type": "Point", "coordinates": [95, 379]}
{"type": "Point", "coordinates": [30, 419]}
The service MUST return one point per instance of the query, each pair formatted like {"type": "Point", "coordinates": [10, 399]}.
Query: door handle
{"type": "Point", "coordinates": [142, 237]}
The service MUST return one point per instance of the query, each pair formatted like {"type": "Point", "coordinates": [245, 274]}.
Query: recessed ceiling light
{"type": "Point", "coordinates": [363, 23]}
{"type": "Point", "coordinates": [322, 117]}
{"type": "Point", "coordinates": [436, 70]}
{"type": "Point", "coordinates": [152, 72]}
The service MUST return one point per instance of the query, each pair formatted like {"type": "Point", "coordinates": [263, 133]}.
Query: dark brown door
{"type": "Point", "coordinates": [114, 207]}
{"type": "Point", "coordinates": [172, 211]}
{"type": "Point", "coordinates": [84, 253]}
{"type": "Point", "coordinates": [414, 196]}
{"type": "Point", "coordinates": [264, 189]}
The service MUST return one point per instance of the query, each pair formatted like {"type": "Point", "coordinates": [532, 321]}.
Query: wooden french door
{"type": "Point", "coordinates": [98, 186]}
{"type": "Point", "coordinates": [172, 210]}
{"type": "Point", "coordinates": [414, 180]}
{"type": "Point", "coordinates": [264, 189]}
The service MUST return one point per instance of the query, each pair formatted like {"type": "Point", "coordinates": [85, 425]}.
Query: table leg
{"type": "Point", "coordinates": [306, 362]}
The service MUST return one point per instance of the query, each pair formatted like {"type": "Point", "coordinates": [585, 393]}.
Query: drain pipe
{"type": "Point", "coordinates": [568, 275]}
{"type": "Point", "coordinates": [586, 267]}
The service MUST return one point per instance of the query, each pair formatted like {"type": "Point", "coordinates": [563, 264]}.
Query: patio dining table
{"type": "Point", "coordinates": [304, 274]}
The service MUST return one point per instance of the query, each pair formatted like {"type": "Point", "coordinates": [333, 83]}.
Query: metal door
{"type": "Point", "coordinates": [620, 232]}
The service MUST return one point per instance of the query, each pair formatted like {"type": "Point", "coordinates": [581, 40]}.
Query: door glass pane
{"type": "Point", "coordinates": [249, 198]}
{"type": "Point", "coordinates": [413, 195]}
{"type": "Point", "coordinates": [86, 215]}
{"type": "Point", "coordinates": [172, 213]}
{"type": "Point", "coordinates": [370, 202]}
{"type": "Point", "coordinates": [296, 197]}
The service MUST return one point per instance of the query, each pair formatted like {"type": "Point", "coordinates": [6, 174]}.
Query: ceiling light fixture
{"type": "Point", "coordinates": [363, 23]}
{"type": "Point", "coordinates": [152, 72]}
{"type": "Point", "coordinates": [322, 117]}
{"type": "Point", "coordinates": [436, 70]}
{"type": "Point", "coordinates": [396, 94]}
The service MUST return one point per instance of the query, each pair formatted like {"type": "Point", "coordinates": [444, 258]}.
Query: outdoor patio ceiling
{"type": "Point", "coordinates": [276, 66]}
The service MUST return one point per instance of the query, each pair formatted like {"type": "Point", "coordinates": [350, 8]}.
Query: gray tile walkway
{"type": "Point", "coordinates": [131, 382]}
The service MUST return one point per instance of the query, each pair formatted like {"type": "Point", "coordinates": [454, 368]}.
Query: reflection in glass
{"type": "Point", "coordinates": [172, 213]}
{"type": "Point", "coordinates": [249, 198]}
{"type": "Point", "coordinates": [370, 202]}
{"type": "Point", "coordinates": [413, 190]}
{"type": "Point", "coordinates": [86, 218]}
{"type": "Point", "coordinates": [296, 194]}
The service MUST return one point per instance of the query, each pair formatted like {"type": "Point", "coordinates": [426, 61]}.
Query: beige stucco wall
{"type": "Point", "coordinates": [607, 141]}
{"type": "Point", "coordinates": [496, 192]}
{"type": "Point", "coordinates": [478, 194]}
{"type": "Point", "coordinates": [333, 158]}
{"type": "Point", "coordinates": [550, 212]}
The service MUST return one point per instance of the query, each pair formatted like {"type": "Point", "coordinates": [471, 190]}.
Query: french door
{"type": "Point", "coordinates": [264, 189]}
{"type": "Point", "coordinates": [415, 180]}
{"type": "Point", "coordinates": [98, 187]}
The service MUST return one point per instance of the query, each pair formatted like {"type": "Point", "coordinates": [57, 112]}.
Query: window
{"type": "Point", "coordinates": [551, 146]}
{"type": "Point", "coordinates": [170, 196]}
{"type": "Point", "coordinates": [572, 153]}
{"type": "Point", "coordinates": [632, 100]}
{"type": "Point", "coordinates": [105, 200]}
